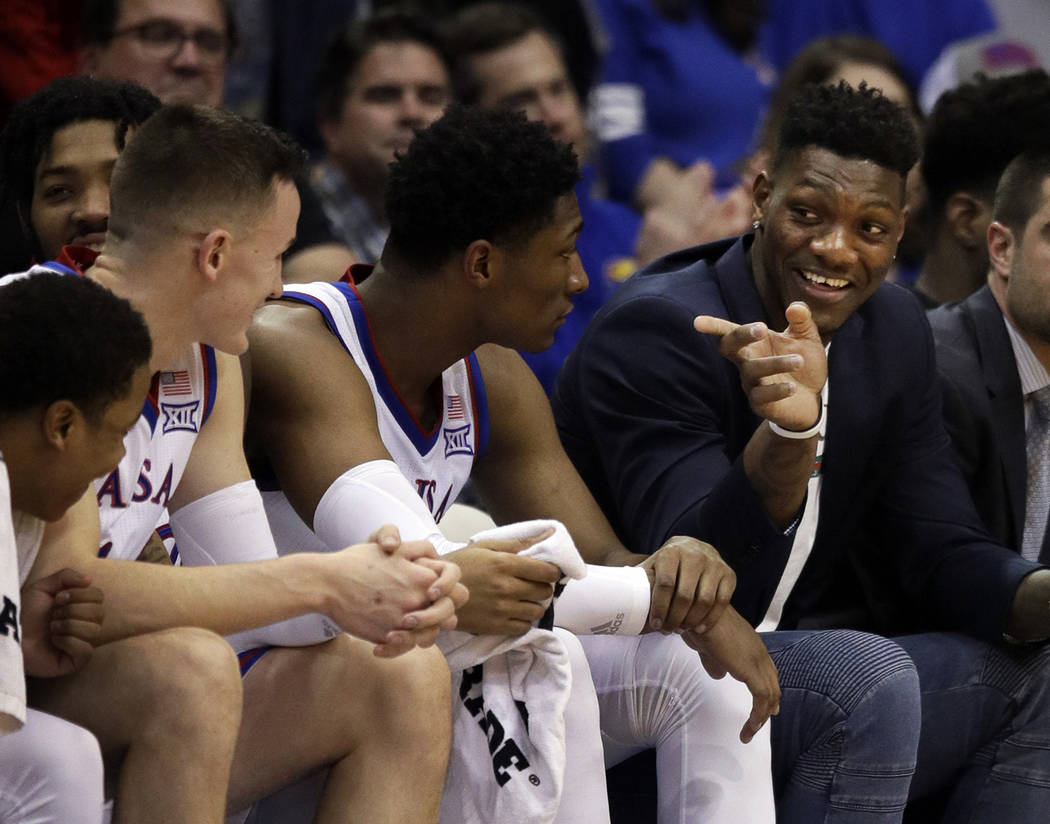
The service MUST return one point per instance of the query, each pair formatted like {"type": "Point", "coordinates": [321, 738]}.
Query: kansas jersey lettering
{"type": "Point", "coordinates": [133, 498]}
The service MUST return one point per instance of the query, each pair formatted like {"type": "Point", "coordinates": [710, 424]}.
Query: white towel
{"type": "Point", "coordinates": [12, 677]}
{"type": "Point", "coordinates": [508, 703]}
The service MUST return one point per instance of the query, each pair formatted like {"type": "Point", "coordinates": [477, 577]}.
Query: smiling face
{"type": "Point", "coordinates": [829, 231]}
{"type": "Point", "coordinates": [71, 187]}
{"type": "Point", "coordinates": [538, 279]}
{"type": "Point", "coordinates": [251, 271]}
{"type": "Point", "coordinates": [397, 88]}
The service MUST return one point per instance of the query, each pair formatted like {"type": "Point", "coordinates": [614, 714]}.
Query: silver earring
{"type": "Point", "coordinates": [756, 225]}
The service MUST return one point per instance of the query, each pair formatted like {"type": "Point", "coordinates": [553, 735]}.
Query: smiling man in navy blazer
{"type": "Point", "coordinates": [816, 461]}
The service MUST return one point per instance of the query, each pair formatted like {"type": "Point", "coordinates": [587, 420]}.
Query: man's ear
{"type": "Point", "coordinates": [1001, 248]}
{"type": "Point", "coordinates": [60, 420]}
{"type": "Point", "coordinates": [966, 217]}
{"type": "Point", "coordinates": [761, 189]}
{"type": "Point", "coordinates": [213, 252]}
{"type": "Point", "coordinates": [905, 212]}
{"type": "Point", "coordinates": [478, 263]}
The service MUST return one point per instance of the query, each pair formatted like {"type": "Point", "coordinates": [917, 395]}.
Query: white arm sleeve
{"type": "Point", "coordinates": [229, 526]}
{"type": "Point", "coordinates": [608, 601]}
{"type": "Point", "coordinates": [370, 495]}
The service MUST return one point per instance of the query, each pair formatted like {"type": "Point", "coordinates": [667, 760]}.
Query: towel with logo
{"type": "Point", "coordinates": [508, 701]}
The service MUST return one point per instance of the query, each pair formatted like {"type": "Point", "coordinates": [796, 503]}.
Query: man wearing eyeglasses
{"type": "Point", "coordinates": [179, 51]}
{"type": "Point", "coordinates": [176, 50]}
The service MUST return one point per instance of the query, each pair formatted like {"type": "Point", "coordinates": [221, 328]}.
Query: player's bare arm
{"type": "Point", "coordinates": [782, 374]}
{"type": "Point", "coordinates": [302, 383]}
{"type": "Point", "coordinates": [363, 589]}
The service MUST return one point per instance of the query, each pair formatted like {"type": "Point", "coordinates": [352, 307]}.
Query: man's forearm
{"type": "Point", "coordinates": [143, 598]}
{"type": "Point", "coordinates": [779, 470]}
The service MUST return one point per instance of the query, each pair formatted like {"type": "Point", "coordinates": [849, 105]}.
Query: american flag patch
{"type": "Point", "coordinates": [455, 408]}
{"type": "Point", "coordinates": [175, 383]}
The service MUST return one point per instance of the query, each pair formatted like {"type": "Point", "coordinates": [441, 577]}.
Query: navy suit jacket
{"type": "Point", "coordinates": [984, 410]}
{"type": "Point", "coordinates": [656, 421]}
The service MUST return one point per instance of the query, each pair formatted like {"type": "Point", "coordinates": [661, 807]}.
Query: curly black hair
{"type": "Point", "coordinates": [975, 130]}
{"type": "Point", "coordinates": [855, 123]}
{"type": "Point", "coordinates": [819, 62]}
{"type": "Point", "coordinates": [34, 121]}
{"type": "Point", "coordinates": [474, 175]}
{"type": "Point", "coordinates": [67, 338]}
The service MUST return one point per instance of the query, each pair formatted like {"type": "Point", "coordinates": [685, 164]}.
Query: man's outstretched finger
{"type": "Point", "coordinates": [710, 325]}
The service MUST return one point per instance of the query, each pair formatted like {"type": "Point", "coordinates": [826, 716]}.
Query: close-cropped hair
{"type": "Point", "coordinates": [99, 22]}
{"type": "Point", "coordinates": [67, 338]}
{"type": "Point", "coordinates": [1020, 193]}
{"type": "Point", "coordinates": [192, 161]}
{"type": "Point", "coordinates": [976, 129]}
{"type": "Point", "coordinates": [474, 175]}
{"type": "Point", "coordinates": [858, 123]}
{"type": "Point", "coordinates": [350, 45]}
{"type": "Point", "coordinates": [484, 28]}
{"type": "Point", "coordinates": [27, 136]}
{"type": "Point", "coordinates": [819, 62]}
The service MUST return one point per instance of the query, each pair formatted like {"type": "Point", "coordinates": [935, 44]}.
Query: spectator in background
{"type": "Point", "coordinates": [679, 99]}
{"type": "Point", "coordinates": [504, 56]}
{"type": "Point", "coordinates": [380, 80]}
{"type": "Point", "coordinates": [916, 33]}
{"type": "Point", "coordinates": [685, 80]}
{"type": "Point", "coordinates": [176, 50]}
{"type": "Point", "coordinates": [57, 153]}
{"type": "Point", "coordinates": [179, 52]}
{"type": "Point", "coordinates": [973, 132]}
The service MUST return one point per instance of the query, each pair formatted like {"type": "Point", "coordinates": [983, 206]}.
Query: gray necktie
{"type": "Point", "coordinates": [1037, 498]}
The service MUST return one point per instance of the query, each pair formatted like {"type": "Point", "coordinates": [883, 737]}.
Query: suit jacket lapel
{"type": "Point", "coordinates": [999, 372]}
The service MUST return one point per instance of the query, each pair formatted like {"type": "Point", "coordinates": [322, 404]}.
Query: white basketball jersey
{"type": "Point", "coordinates": [438, 461]}
{"type": "Point", "coordinates": [133, 498]}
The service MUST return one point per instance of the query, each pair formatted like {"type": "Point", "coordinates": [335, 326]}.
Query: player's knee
{"type": "Point", "coordinates": [423, 677]}
{"type": "Point", "coordinates": [868, 689]}
{"type": "Point", "coordinates": [194, 679]}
